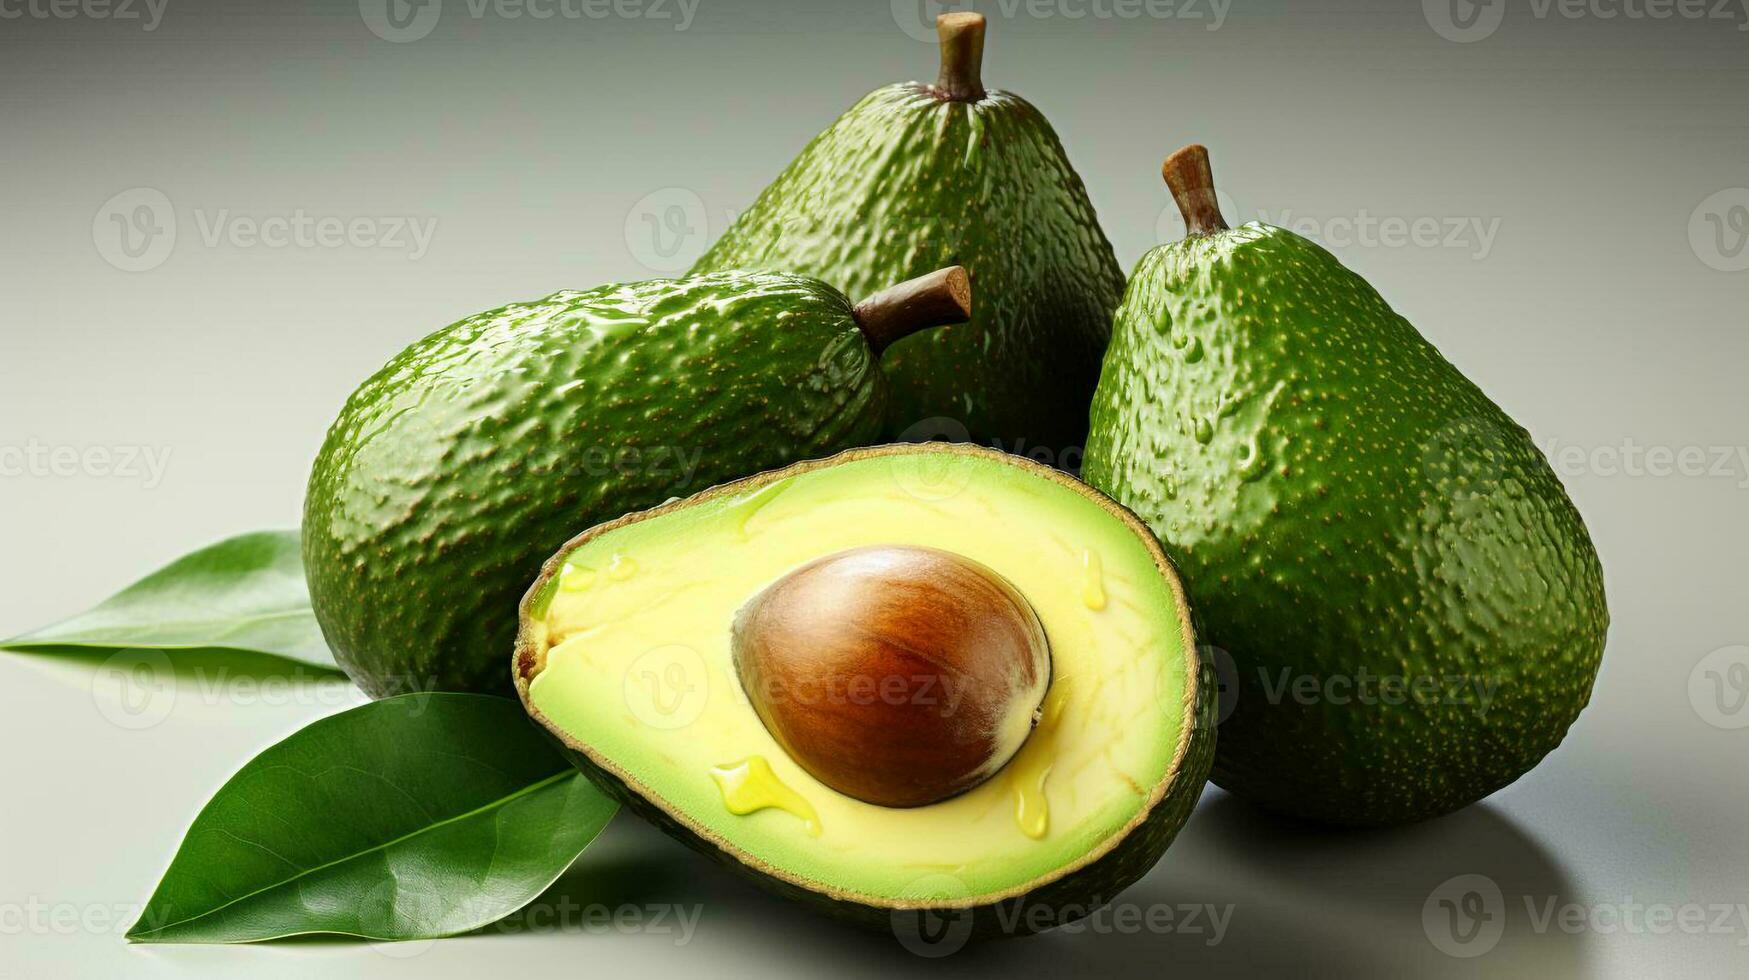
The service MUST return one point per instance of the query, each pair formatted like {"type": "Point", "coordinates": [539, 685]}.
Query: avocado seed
{"type": "Point", "coordinates": [895, 674]}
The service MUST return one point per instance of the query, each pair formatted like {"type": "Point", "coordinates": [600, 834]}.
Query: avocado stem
{"type": "Point", "coordinates": [1192, 182]}
{"type": "Point", "coordinates": [962, 56]}
{"type": "Point", "coordinates": [934, 300]}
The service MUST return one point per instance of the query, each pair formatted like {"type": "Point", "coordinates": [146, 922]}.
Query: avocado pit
{"type": "Point", "coordinates": [895, 674]}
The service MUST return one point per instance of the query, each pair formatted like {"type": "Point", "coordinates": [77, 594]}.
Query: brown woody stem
{"type": "Point", "coordinates": [1192, 182]}
{"type": "Point", "coordinates": [962, 56]}
{"type": "Point", "coordinates": [935, 300]}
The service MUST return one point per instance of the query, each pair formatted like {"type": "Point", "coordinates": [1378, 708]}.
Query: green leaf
{"type": "Point", "coordinates": [414, 817]}
{"type": "Point", "coordinates": [244, 596]}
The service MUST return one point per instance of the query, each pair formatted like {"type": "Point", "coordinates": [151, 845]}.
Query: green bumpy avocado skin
{"type": "Point", "coordinates": [1345, 505]}
{"type": "Point", "coordinates": [455, 471]}
{"type": "Point", "coordinates": [909, 181]}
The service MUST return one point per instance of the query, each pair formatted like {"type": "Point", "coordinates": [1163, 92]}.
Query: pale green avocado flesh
{"type": "Point", "coordinates": [625, 655]}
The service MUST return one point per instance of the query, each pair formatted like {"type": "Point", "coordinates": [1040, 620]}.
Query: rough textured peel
{"type": "Point", "coordinates": [1412, 606]}
{"type": "Point", "coordinates": [909, 180]}
{"type": "Point", "coordinates": [453, 472]}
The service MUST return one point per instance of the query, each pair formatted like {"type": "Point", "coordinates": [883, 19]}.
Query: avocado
{"type": "Point", "coordinates": [793, 673]}
{"type": "Point", "coordinates": [1412, 607]}
{"type": "Point", "coordinates": [867, 203]}
{"type": "Point", "coordinates": [459, 466]}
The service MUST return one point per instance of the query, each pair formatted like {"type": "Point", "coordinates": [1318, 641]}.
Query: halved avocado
{"type": "Point", "coordinates": [632, 653]}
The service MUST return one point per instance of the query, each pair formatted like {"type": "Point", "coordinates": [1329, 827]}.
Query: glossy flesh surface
{"type": "Point", "coordinates": [635, 674]}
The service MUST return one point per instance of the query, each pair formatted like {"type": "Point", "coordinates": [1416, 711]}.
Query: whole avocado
{"type": "Point", "coordinates": [1413, 610]}
{"type": "Point", "coordinates": [452, 473]}
{"type": "Point", "coordinates": [863, 205]}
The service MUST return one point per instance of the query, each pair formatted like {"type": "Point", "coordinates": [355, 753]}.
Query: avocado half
{"type": "Point", "coordinates": [625, 655]}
